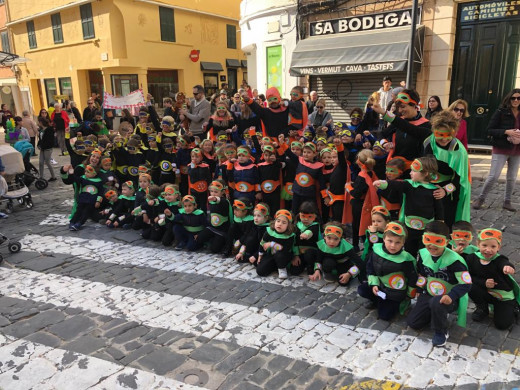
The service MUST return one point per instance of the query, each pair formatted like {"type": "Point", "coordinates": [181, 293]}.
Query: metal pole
{"type": "Point", "coordinates": [411, 51]}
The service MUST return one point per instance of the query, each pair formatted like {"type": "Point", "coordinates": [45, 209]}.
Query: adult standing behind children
{"type": "Point", "coordinates": [30, 125]}
{"type": "Point", "coordinates": [198, 112]}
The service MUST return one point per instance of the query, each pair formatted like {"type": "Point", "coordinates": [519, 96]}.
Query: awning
{"type": "Point", "coordinates": [244, 63]}
{"type": "Point", "coordinates": [8, 59]}
{"type": "Point", "coordinates": [368, 52]}
{"type": "Point", "coordinates": [216, 66]}
{"type": "Point", "coordinates": [231, 63]}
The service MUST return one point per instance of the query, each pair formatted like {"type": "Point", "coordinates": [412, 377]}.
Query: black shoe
{"type": "Point", "coordinates": [480, 313]}
{"type": "Point", "coordinates": [370, 305]}
{"type": "Point", "coordinates": [52, 179]}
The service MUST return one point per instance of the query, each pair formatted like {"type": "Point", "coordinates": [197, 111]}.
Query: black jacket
{"type": "Point", "coordinates": [46, 138]}
{"type": "Point", "coordinates": [502, 120]}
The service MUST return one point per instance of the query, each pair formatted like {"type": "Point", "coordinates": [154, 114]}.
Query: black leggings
{"type": "Point", "coordinates": [271, 263]}
{"type": "Point", "coordinates": [82, 214]}
{"type": "Point", "coordinates": [386, 309]}
{"type": "Point", "coordinates": [272, 200]}
{"type": "Point", "coordinates": [503, 311]}
{"type": "Point", "coordinates": [307, 261]}
{"type": "Point", "coordinates": [357, 207]}
{"type": "Point", "coordinates": [337, 210]}
{"type": "Point", "coordinates": [216, 241]}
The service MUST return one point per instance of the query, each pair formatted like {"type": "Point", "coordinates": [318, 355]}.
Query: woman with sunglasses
{"type": "Point", "coordinates": [320, 117]}
{"type": "Point", "coordinates": [503, 131]}
{"type": "Point", "coordinates": [221, 119]}
{"type": "Point", "coordinates": [406, 132]}
{"type": "Point", "coordinates": [434, 107]}
{"type": "Point", "coordinates": [460, 109]}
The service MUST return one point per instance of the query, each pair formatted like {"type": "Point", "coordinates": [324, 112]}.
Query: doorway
{"type": "Point", "coordinates": [485, 70]}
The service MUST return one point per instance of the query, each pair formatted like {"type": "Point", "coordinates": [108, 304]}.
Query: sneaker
{"type": "Point", "coordinates": [439, 339]}
{"type": "Point", "coordinates": [52, 179]}
{"type": "Point", "coordinates": [477, 204]}
{"type": "Point", "coordinates": [54, 162]}
{"type": "Point", "coordinates": [329, 277]}
{"type": "Point", "coordinates": [72, 227]}
{"type": "Point", "coordinates": [180, 246]}
{"type": "Point", "coordinates": [65, 153]}
{"type": "Point", "coordinates": [3, 216]}
{"type": "Point", "coordinates": [127, 226]}
{"type": "Point", "coordinates": [370, 305]}
{"type": "Point", "coordinates": [282, 273]}
{"type": "Point", "coordinates": [508, 206]}
{"type": "Point", "coordinates": [480, 313]}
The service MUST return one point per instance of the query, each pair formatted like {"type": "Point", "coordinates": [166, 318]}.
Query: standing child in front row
{"type": "Point", "coordinates": [169, 206]}
{"type": "Point", "coordinates": [336, 258]}
{"type": "Point", "coordinates": [220, 215]}
{"type": "Point", "coordinates": [443, 284]}
{"type": "Point", "coordinates": [277, 246]}
{"type": "Point", "coordinates": [122, 211]}
{"type": "Point", "coordinates": [419, 205]}
{"type": "Point", "coordinates": [392, 199]}
{"type": "Point", "coordinates": [241, 225]}
{"type": "Point", "coordinates": [390, 270]}
{"type": "Point", "coordinates": [188, 224]}
{"type": "Point", "coordinates": [199, 176]}
{"type": "Point", "coordinates": [308, 233]}
{"type": "Point", "coordinates": [89, 198]}
{"type": "Point", "coordinates": [493, 283]}
{"type": "Point", "coordinates": [375, 232]}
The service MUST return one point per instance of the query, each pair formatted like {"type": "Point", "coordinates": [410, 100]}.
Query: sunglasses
{"type": "Point", "coordinates": [221, 108]}
{"type": "Point", "coordinates": [196, 93]}
{"type": "Point", "coordinates": [295, 94]}
{"type": "Point", "coordinates": [461, 110]}
{"type": "Point", "coordinates": [355, 116]}
{"type": "Point", "coordinates": [272, 99]}
{"type": "Point", "coordinates": [515, 97]}
{"type": "Point", "coordinates": [320, 107]}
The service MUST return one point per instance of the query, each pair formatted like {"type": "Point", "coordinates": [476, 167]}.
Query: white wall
{"type": "Point", "coordinates": [257, 18]}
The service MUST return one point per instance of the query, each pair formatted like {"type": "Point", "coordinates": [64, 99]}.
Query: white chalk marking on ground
{"type": "Point", "coordinates": [163, 259]}
{"type": "Point", "coordinates": [38, 366]}
{"type": "Point", "coordinates": [360, 352]}
{"type": "Point", "coordinates": [56, 220]}
{"type": "Point", "coordinates": [68, 202]}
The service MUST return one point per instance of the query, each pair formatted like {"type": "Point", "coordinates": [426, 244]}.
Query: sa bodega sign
{"type": "Point", "coordinates": [378, 21]}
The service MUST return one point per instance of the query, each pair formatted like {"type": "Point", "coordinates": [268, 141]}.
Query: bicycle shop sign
{"type": "Point", "coordinates": [378, 21]}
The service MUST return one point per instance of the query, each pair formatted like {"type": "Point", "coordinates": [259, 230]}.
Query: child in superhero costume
{"type": "Point", "coordinates": [277, 246]}
{"type": "Point", "coordinates": [308, 233]}
{"type": "Point", "coordinates": [391, 272]}
{"type": "Point", "coordinates": [493, 283]}
{"type": "Point", "coordinates": [461, 238]}
{"type": "Point", "coordinates": [443, 283]}
{"type": "Point", "coordinates": [250, 249]}
{"type": "Point", "coordinates": [336, 260]}
{"type": "Point", "coordinates": [188, 224]}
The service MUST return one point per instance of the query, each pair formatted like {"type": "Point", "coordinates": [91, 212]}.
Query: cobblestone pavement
{"type": "Point", "coordinates": [105, 309]}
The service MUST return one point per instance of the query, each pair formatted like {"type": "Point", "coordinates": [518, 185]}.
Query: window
{"type": "Point", "coordinates": [163, 83]}
{"type": "Point", "coordinates": [87, 21]}
{"type": "Point", "coordinates": [5, 42]}
{"type": "Point", "coordinates": [211, 83]}
{"type": "Point", "coordinates": [66, 87]}
{"type": "Point", "coordinates": [123, 84]}
{"type": "Point", "coordinates": [167, 24]}
{"type": "Point", "coordinates": [231, 36]}
{"type": "Point", "coordinates": [50, 91]}
{"type": "Point", "coordinates": [57, 32]}
{"type": "Point", "coordinates": [31, 34]}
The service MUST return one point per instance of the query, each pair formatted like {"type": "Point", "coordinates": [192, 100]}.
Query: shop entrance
{"type": "Point", "coordinates": [485, 65]}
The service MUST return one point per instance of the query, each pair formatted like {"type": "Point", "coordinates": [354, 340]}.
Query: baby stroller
{"type": "Point", "coordinates": [14, 188]}
{"type": "Point", "coordinates": [12, 246]}
{"type": "Point", "coordinates": [30, 174]}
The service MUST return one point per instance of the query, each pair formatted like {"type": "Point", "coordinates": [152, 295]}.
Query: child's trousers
{"type": "Point", "coordinates": [503, 311]}
{"type": "Point", "coordinates": [271, 263]}
{"type": "Point", "coordinates": [184, 237]}
{"type": "Point", "coordinates": [429, 310]}
{"type": "Point", "coordinates": [386, 309]}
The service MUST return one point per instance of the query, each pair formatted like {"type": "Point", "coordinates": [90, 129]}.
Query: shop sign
{"type": "Point", "coordinates": [378, 21]}
{"type": "Point", "coordinates": [347, 69]}
{"type": "Point", "coordinates": [274, 67]}
{"type": "Point", "coordinates": [489, 10]}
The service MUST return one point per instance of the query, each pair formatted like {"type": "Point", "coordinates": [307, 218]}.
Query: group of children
{"type": "Point", "coordinates": [287, 204]}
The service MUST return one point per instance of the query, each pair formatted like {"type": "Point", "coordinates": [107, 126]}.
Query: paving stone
{"type": "Point", "coordinates": [39, 321]}
{"type": "Point", "coordinates": [137, 354]}
{"type": "Point", "coordinates": [117, 330]}
{"type": "Point", "coordinates": [72, 327]}
{"type": "Point", "coordinates": [279, 379]}
{"type": "Point", "coordinates": [235, 359]}
{"type": "Point", "coordinates": [131, 334]}
{"type": "Point", "coordinates": [208, 353]}
{"type": "Point", "coordinates": [4, 321]}
{"type": "Point", "coordinates": [162, 360]}
{"type": "Point", "coordinates": [278, 363]}
{"type": "Point", "coordinates": [86, 344]}
{"type": "Point", "coordinates": [44, 263]}
{"type": "Point", "coordinates": [44, 338]}
{"type": "Point", "coordinates": [259, 376]}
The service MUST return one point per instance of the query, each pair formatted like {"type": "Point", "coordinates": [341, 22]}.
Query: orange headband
{"type": "Point", "coordinates": [395, 228]}
{"type": "Point", "coordinates": [334, 231]}
{"type": "Point", "coordinates": [262, 208]}
{"type": "Point", "coordinates": [90, 169]}
{"type": "Point", "coordinates": [489, 233]}
{"type": "Point", "coordinates": [240, 205]}
{"type": "Point", "coordinates": [283, 213]}
{"type": "Point", "coordinates": [437, 240]}
{"type": "Point", "coordinates": [110, 194]}
{"type": "Point", "coordinates": [189, 198]}
{"type": "Point", "coordinates": [216, 185]}
{"type": "Point", "coordinates": [417, 165]}
{"type": "Point", "coordinates": [310, 216]}
{"type": "Point", "coordinates": [381, 210]}
{"type": "Point", "coordinates": [461, 235]}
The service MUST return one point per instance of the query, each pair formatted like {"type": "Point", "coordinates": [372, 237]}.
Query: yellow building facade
{"type": "Point", "coordinates": [78, 47]}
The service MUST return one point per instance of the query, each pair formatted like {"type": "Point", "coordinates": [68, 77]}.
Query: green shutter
{"type": "Point", "coordinates": [87, 21]}
{"type": "Point", "coordinates": [57, 32]}
{"type": "Point", "coordinates": [31, 34]}
{"type": "Point", "coordinates": [231, 36]}
{"type": "Point", "coordinates": [6, 47]}
{"type": "Point", "coordinates": [167, 24]}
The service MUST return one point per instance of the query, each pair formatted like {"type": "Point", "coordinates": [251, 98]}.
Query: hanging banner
{"type": "Point", "coordinates": [274, 67]}
{"type": "Point", "coordinates": [132, 100]}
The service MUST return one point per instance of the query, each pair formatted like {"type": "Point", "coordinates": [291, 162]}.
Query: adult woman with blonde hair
{"type": "Point", "coordinates": [460, 109]}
